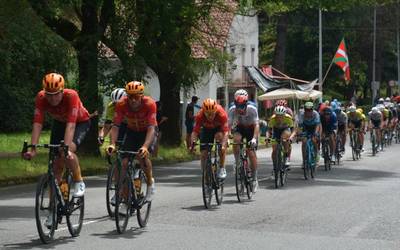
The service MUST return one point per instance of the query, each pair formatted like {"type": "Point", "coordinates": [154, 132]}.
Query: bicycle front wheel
{"type": "Point", "coordinates": [110, 190]}
{"type": "Point", "coordinates": [219, 188]}
{"type": "Point", "coordinates": [239, 182]}
{"type": "Point", "coordinates": [45, 209]}
{"type": "Point", "coordinates": [75, 211]}
{"type": "Point", "coordinates": [207, 186]}
{"type": "Point", "coordinates": [248, 179]}
{"type": "Point", "coordinates": [123, 203]}
{"type": "Point", "coordinates": [143, 206]}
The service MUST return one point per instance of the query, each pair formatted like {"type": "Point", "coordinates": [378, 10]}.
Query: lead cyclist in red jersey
{"type": "Point", "coordinates": [71, 124]}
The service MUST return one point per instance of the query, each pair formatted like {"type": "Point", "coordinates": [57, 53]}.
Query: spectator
{"type": "Point", "coordinates": [161, 119]}
{"type": "Point", "coordinates": [189, 120]}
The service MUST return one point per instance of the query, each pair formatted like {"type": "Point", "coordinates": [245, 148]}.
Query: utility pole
{"type": "Point", "coordinates": [320, 52]}
{"type": "Point", "coordinates": [398, 46]}
{"type": "Point", "coordinates": [374, 86]}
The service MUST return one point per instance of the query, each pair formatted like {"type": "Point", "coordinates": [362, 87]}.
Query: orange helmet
{"type": "Point", "coordinates": [53, 83]}
{"type": "Point", "coordinates": [209, 106]}
{"type": "Point", "coordinates": [134, 88]}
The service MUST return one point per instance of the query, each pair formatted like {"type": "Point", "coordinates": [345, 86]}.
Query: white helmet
{"type": "Point", "coordinates": [241, 92]}
{"type": "Point", "coordinates": [280, 110]}
{"type": "Point", "coordinates": [352, 109]}
{"type": "Point", "coordinates": [116, 94]}
{"type": "Point", "coordinates": [374, 110]}
{"type": "Point", "coordinates": [380, 107]}
{"type": "Point", "coordinates": [387, 99]}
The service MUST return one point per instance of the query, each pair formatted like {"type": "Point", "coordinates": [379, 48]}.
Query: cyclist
{"type": "Point", "coordinates": [364, 122]}
{"type": "Point", "coordinates": [342, 123]}
{"type": "Point", "coordinates": [244, 123]}
{"type": "Point", "coordinates": [116, 95]}
{"type": "Point", "coordinates": [211, 123]}
{"type": "Point", "coordinates": [71, 124]}
{"type": "Point", "coordinates": [329, 125]}
{"type": "Point", "coordinates": [376, 122]}
{"type": "Point", "coordinates": [355, 121]}
{"type": "Point", "coordinates": [140, 114]}
{"type": "Point", "coordinates": [309, 123]}
{"type": "Point", "coordinates": [284, 103]}
{"type": "Point", "coordinates": [281, 127]}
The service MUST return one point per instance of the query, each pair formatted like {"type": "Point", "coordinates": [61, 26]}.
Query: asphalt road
{"type": "Point", "coordinates": [354, 206]}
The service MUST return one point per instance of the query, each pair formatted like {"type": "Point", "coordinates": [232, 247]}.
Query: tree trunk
{"type": "Point", "coordinates": [170, 98]}
{"type": "Point", "coordinates": [280, 48]}
{"type": "Point", "coordinates": [86, 47]}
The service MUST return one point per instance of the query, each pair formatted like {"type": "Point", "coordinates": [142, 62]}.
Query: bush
{"type": "Point", "coordinates": [28, 50]}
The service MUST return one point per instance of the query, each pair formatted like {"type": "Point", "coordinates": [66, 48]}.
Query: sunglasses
{"type": "Point", "coordinates": [241, 106]}
{"type": "Point", "coordinates": [135, 97]}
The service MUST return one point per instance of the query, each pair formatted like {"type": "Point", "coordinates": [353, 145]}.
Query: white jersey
{"type": "Point", "coordinates": [248, 119]}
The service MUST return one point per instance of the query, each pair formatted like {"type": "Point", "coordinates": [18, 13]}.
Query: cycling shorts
{"type": "Point", "coordinates": [58, 132]}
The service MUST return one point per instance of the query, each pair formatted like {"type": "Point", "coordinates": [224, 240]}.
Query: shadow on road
{"type": "Point", "coordinates": [38, 244]}
{"type": "Point", "coordinates": [130, 233]}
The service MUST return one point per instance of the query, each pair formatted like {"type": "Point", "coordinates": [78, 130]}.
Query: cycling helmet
{"type": "Point", "coordinates": [374, 110]}
{"type": "Point", "coordinates": [360, 110]}
{"type": "Point", "coordinates": [116, 94]}
{"type": "Point", "coordinates": [380, 101]}
{"type": "Point", "coordinates": [209, 106]}
{"type": "Point", "coordinates": [380, 107]}
{"type": "Point", "coordinates": [334, 106]}
{"type": "Point", "coordinates": [327, 111]}
{"type": "Point", "coordinates": [387, 99]}
{"type": "Point", "coordinates": [241, 98]}
{"type": "Point", "coordinates": [280, 110]}
{"type": "Point", "coordinates": [241, 92]}
{"type": "Point", "coordinates": [134, 88]}
{"type": "Point", "coordinates": [53, 83]}
{"type": "Point", "coordinates": [281, 102]}
{"type": "Point", "coordinates": [308, 105]}
{"type": "Point", "coordinates": [352, 109]}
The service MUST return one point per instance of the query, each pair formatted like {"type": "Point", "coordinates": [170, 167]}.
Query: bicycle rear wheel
{"type": "Point", "coordinates": [75, 211]}
{"type": "Point", "coordinates": [239, 181]}
{"type": "Point", "coordinates": [248, 179]}
{"type": "Point", "coordinates": [373, 142]}
{"type": "Point", "coordinates": [143, 206]}
{"type": "Point", "coordinates": [277, 166]}
{"type": "Point", "coordinates": [45, 208]}
{"type": "Point", "coordinates": [110, 189]}
{"type": "Point", "coordinates": [123, 203]}
{"type": "Point", "coordinates": [219, 188]}
{"type": "Point", "coordinates": [207, 186]}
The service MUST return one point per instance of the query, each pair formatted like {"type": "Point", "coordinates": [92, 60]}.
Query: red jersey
{"type": "Point", "coordinates": [138, 120]}
{"type": "Point", "coordinates": [70, 109]}
{"type": "Point", "coordinates": [220, 120]}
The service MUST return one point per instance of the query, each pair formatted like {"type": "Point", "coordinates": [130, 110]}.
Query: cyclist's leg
{"type": "Point", "coordinates": [219, 138]}
{"type": "Point", "coordinates": [332, 142]}
{"type": "Point", "coordinates": [237, 138]}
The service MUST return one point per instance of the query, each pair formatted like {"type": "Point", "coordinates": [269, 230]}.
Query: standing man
{"type": "Point", "coordinates": [189, 120]}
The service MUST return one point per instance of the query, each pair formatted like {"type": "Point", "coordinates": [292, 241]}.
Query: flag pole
{"type": "Point", "coordinates": [327, 71]}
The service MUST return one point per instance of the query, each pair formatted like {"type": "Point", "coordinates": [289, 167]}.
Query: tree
{"type": "Point", "coordinates": [81, 23]}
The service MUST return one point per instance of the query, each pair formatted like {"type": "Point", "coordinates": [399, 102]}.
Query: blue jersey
{"type": "Point", "coordinates": [329, 123]}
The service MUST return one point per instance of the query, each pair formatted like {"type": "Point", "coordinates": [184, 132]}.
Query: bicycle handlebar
{"type": "Point", "coordinates": [61, 145]}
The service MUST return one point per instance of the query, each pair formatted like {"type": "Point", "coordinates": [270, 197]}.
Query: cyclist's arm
{"type": "Point", "coordinates": [69, 134]}
{"type": "Point", "coordinates": [256, 132]}
{"type": "Point", "coordinates": [105, 130]}
{"type": "Point", "coordinates": [149, 136]}
{"type": "Point", "coordinates": [37, 128]}
{"type": "Point", "coordinates": [114, 134]}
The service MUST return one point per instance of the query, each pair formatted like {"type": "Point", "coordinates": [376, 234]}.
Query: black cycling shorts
{"type": "Point", "coordinates": [58, 132]}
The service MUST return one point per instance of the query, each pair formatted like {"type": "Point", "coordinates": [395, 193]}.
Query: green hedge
{"type": "Point", "coordinates": [28, 49]}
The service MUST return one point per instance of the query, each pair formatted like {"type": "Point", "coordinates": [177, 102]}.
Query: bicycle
{"type": "Point", "coordinates": [374, 143]}
{"type": "Point", "coordinates": [280, 170]}
{"type": "Point", "coordinates": [338, 153]}
{"type": "Point", "coordinates": [398, 132]}
{"type": "Point", "coordinates": [209, 180]}
{"type": "Point", "coordinates": [111, 185]}
{"type": "Point", "coordinates": [355, 144]}
{"type": "Point", "coordinates": [130, 194]}
{"type": "Point", "coordinates": [54, 200]}
{"type": "Point", "coordinates": [326, 151]}
{"type": "Point", "coordinates": [309, 163]}
{"type": "Point", "coordinates": [243, 174]}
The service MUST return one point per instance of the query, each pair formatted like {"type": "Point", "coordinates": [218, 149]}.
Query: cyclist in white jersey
{"type": "Point", "coordinates": [243, 122]}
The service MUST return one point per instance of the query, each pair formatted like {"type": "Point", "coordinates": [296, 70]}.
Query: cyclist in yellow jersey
{"type": "Point", "coordinates": [116, 95]}
{"type": "Point", "coordinates": [355, 120]}
{"type": "Point", "coordinates": [281, 127]}
{"type": "Point", "coordinates": [364, 122]}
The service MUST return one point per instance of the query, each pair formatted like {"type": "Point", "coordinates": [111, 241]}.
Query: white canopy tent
{"type": "Point", "coordinates": [284, 93]}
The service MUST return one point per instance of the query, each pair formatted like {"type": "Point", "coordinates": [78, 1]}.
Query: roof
{"type": "Point", "coordinates": [213, 32]}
